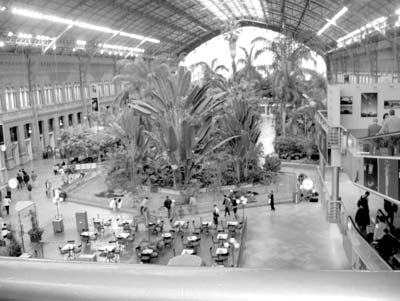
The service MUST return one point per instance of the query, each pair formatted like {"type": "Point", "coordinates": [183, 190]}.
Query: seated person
{"type": "Point", "coordinates": [388, 245]}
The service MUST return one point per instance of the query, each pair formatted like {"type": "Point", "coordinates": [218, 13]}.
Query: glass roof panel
{"type": "Point", "coordinates": [214, 9]}
{"type": "Point", "coordinates": [237, 8]}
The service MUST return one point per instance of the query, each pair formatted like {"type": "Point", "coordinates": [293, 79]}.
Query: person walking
{"type": "Point", "coordinates": [113, 204]}
{"type": "Point", "coordinates": [6, 204]}
{"type": "Point", "coordinates": [173, 211]}
{"type": "Point", "coordinates": [227, 203]}
{"type": "Point", "coordinates": [167, 204]}
{"type": "Point", "coordinates": [215, 215]}
{"type": "Point", "coordinates": [271, 200]}
{"type": "Point", "coordinates": [47, 186]}
{"type": "Point", "coordinates": [33, 178]}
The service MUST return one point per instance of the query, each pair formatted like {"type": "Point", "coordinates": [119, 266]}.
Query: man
{"type": "Point", "coordinates": [227, 204]}
{"type": "Point", "coordinates": [167, 204]}
{"type": "Point", "coordinates": [374, 128]}
{"type": "Point", "coordinates": [47, 185]}
{"type": "Point", "coordinates": [143, 205]}
{"type": "Point", "coordinates": [6, 204]}
{"type": "Point", "coordinates": [234, 206]}
{"type": "Point", "coordinates": [391, 124]}
{"type": "Point", "coordinates": [271, 200]}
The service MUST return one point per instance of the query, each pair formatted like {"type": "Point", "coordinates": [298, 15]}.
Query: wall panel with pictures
{"type": "Point", "coordinates": [382, 175]}
{"type": "Point", "coordinates": [346, 105]}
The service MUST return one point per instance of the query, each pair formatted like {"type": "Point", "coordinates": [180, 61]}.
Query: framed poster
{"type": "Point", "coordinates": [369, 104]}
{"type": "Point", "coordinates": [371, 173]}
{"type": "Point", "coordinates": [346, 105]}
{"type": "Point", "coordinates": [391, 104]}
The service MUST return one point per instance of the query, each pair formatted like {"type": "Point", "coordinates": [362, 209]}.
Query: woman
{"type": "Point", "coordinates": [380, 226]}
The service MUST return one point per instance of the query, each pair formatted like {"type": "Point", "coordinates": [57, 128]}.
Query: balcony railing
{"type": "Point", "coordinates": [386, 145]}
{"type": "Point", "coordinates": [334, 133]}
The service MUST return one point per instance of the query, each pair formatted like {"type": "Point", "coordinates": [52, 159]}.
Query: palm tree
{"type": "Point", "coordinates": [288, 57]}
{"type": "Point", "coordinates": [211, 75]}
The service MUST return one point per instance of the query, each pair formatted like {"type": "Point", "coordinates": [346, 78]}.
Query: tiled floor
{"type": "Point", "coordinates": [295, 236]}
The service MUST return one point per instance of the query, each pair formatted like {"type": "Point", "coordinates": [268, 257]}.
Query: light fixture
{"type": "Point", "coordinates": [3, 8]}
{"type": "Point", "coordinates": [333, 20]}
{"type": "Point", "coordinates": [73, 49]}
{"type": "Point", "coordinates": [10, 34]}
{"type": "Point", "coordinates": [2, 44]}
{"type": "Point", "coordinates": [55, 19]}
{"type": "Point", "coordinates": [398, 12]}
{"type": "Point", "coordinates": [80, 42]}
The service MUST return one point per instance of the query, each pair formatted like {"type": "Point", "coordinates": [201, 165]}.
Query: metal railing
{"type": "Point", "coordinates": [334, 133]}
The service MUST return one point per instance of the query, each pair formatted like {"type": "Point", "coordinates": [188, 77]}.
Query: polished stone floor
{"type": "Point", "coordinates": [295, 236]}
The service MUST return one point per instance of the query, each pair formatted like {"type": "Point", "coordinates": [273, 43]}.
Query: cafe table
{"type": "Point", "coordinates": [187, 251]}
{"type": "Point", "coordinates": [179, 224]}
{"type": "Point", "coordinates": [123, 235]}
{"type": "Point", "coordinates": [233, 223]}
{"type": "Point", "coordinates": [222, 236]}
{"type": "Point", "coordinates": [221, 251]}
{"type": "Point", "coordinates": [192, 238]}
{"type": "Point", "coordinates": [166, 235]}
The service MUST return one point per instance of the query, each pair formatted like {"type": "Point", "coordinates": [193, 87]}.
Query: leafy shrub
{"type": "Point", "coordinates": [290, 145]}
{"type": "Point", "coordinates": [272, 164]}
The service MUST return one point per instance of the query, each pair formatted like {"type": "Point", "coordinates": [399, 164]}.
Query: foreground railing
{"type": "Point", "coordinates": [387, 145]}
{"type": "Point", "coordinates": [27, 279]}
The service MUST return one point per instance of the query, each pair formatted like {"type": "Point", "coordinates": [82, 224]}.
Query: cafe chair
{"type": "Point", "coordinates": [168, 241]}
{"type": "Point", "coordinates": [216, 259]}
{"type": "Point", "coordinates": [145, 258]}
{"type": "Point", "coordinates": [110, 256]}
{"type": "Point", "coordinates": [215, 241]}
{"type": "Point", "coordinates": [220, 229]}
{"type": "Point", "coordinates": [185, 225]}
{"type": "Point", "coordinates": [78, 249]}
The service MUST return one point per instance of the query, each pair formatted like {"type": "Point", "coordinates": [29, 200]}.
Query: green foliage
{"type": "Point", "coordinates": [87, 142]}
{"type": "Point", "coordinates": [289, 145]}
{"type": "Point", "coordinates": [272, 164]}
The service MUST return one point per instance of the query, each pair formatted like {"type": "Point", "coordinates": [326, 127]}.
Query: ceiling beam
{"type": "Point", "coordinates": [145, 16]}
{"type": "Point", "coordinates": [53, 42]}
{"type": "Point", "coordinates": [263, 10]}
{"type": "Point", "coordinates": [185, 14]}
{"type": "Point", "coordinates": [302, 15]}
{"type": "Point", "coordinates": [283, 26]}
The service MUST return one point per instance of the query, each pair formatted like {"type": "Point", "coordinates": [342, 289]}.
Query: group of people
{"type": "Point", "coordinates": [24, 179]}
{"type": "Point", "coordinates": [385, 242]}
{"type": "Point", "coordinates": [115, 204]}
{"type": "Point", "coordinates": [390, 123]}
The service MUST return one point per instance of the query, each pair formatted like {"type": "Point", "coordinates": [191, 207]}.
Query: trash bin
{"type": "Point", "coordinates": [58, 225]}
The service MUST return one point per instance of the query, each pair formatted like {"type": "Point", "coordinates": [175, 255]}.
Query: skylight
{"type": "Point", "coordinates": [237, 8]}
{"type": "Point", "coordinates": [333, 20]}
{"type": "Point", "coordinates": [379, 24]}
{"type": "Point", "coordinates": [214, 9]}
{"type": "Point", "coordinates": [55, 19]}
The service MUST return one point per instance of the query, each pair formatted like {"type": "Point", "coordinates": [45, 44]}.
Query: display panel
{"type": "Point", "coordinates": [391, 104]}
{"type": "Point", "coordinates": [346, 105]}
{"type": "Point", "coordinates": [369, 104]}
{"type": "Point", "coordinates": [371, 173]}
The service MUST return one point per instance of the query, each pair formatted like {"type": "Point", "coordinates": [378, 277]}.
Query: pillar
{"type": "Point", "coordinates": [335, 183]}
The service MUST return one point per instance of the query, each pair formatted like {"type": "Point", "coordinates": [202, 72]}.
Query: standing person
{"type": "Point", "coordinates": [215, 215]}
{"type": "Point", "coordinates": [119, 204]}
{"type": "Point", "coordinates": [227, 204]}
{"type": "Point", "coordinates": [19, 179]}
{"type": "Point", "coordinates": [112, 204]}
{"type": "Point", "coordinates": [6, 204]}
{"type": "Point", "coordinates": [362, 220]}
{"type": "Point", "coordinates": [47, 185]}
{"type": "Point", "coordinates": [33, 178]}
{"type": "Point", "coordinates": [271, 200]}
{"type": "Point", "coordinates": [8, 191]}
{"type": "Point", "coordinates": [363, 201]}
{"type": "Point", "coordinates": [26, 177]}
{"type": "Point", "coordinates": [143, 205]}
{"type": "Point", "coordinates": [167, 204]}
{"type": "Point", "coordinates": [234, 206]}
{"type": "Point", "coordinates": [173, 211]}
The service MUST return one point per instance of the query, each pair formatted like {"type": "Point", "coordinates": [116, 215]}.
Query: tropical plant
{"type": "Point", "coordinates": [131, 130]}
{"type": "Point", "coordinates": [288, 74]}
{"type": "Point", "coordinates": [183, 119]}
{"type": "Point", "coordinates": [242, 122]}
